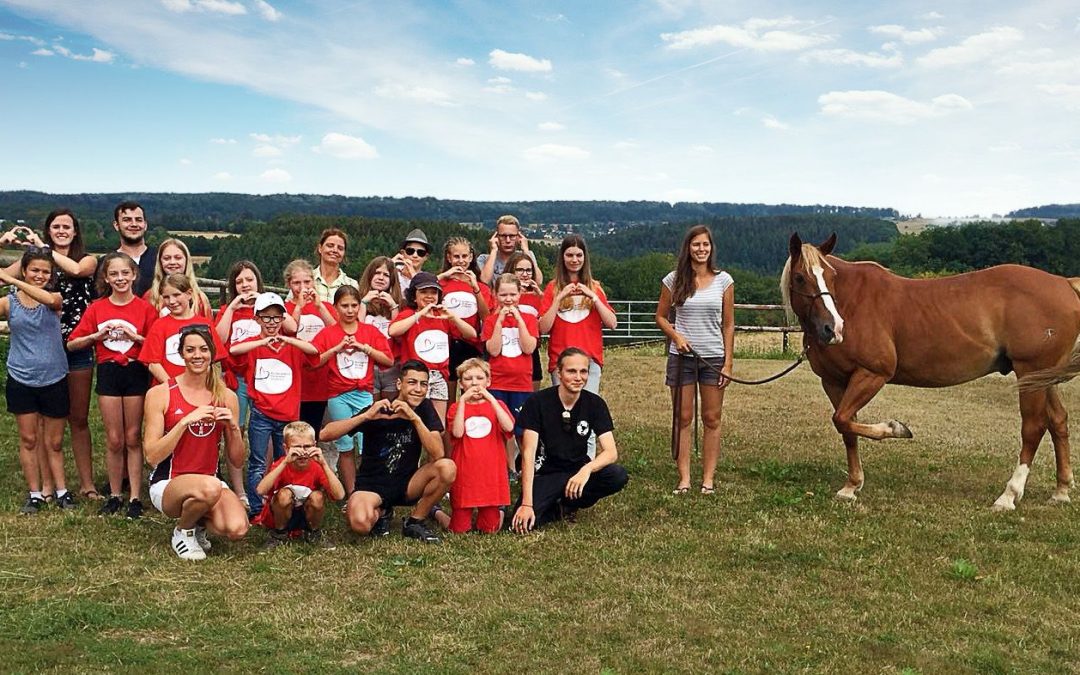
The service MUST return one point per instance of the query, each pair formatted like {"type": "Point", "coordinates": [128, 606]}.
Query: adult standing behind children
{"type": "Point", "coordinates": [129, 219]}
{"type": "Point", "coordinates": [557, 476]}
{"type": "Point", "coordinates": [329, 276]}
{"type": "Point", "coordinates": [703, 299]}
{"type": "Point", "coordinates": [505, 241]}
{"type": "Point", "coordinates": [395, 433]}
{"type": "Point", "coordinates": [186, 419]}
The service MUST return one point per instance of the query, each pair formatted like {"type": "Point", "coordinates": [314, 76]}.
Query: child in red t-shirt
{"type": "Point", "coordinates": [523, 267]}
{"type": "Point", "coordinates": [161, 350]}
{"type": "Point", "coordinates": [117, 325]}
{"type": "Point", "coordinates": [425, 329]}
{"type": "Point", "coordinates": [511, 338]}
{"type": "Point", "coordinates": [274, 364]}
{"type": "Point", "coordinates": [350, 349]}
{"type": "Point", "coordinates": [311, 316]}
{"type": "Point", "coordinates": [296, 487]}
{"type": "Point", "coordinates": [479, 429]}
{"type": "Point", "coordinates": [465, 297]}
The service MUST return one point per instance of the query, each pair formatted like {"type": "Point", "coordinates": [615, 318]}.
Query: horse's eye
{"type": "Point", "coordinates": [799, 278]}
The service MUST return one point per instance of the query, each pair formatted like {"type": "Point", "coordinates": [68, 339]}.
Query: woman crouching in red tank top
{"type": "Point", "coordinates": [185, 419]}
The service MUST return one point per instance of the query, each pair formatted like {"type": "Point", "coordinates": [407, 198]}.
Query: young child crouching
{"type": "Point", "coordinates": [296, 488]}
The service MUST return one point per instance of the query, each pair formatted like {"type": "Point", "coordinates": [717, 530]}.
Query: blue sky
{"type": "Point", "coordinates": [931, 107]}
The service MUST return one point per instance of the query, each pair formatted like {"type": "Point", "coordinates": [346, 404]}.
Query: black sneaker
{"type": "Point", "coordinates": [66, 502]}
{"type": "Point", "coordinates": [382, 525]}
{"type": "Point", "coordinates": [568, 513]}
{"type": "Point", "coordinates": [134, 509]}
{"type": "Point", "coordinates": [416, 529]}
{"type": "Point", "coordinates": [276, 538]}
{"type": "Point", "coordinates": [111, 506]}
{"type": "Point", "coordinates": [316, 538]}
{"type": "Point", "coordinates": [32, 506]}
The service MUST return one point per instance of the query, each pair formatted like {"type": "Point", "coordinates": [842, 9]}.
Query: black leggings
{"type": "Point", "coordinates": [312, 412]}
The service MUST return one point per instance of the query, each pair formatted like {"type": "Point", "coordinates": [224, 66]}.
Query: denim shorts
{"type": "Point", "coordinates": [82, 359]}
{"type": "Point", "coordinates": [693, 371]}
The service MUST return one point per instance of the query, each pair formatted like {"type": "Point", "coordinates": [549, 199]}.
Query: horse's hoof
{"type": "Point", "coordinates": [846, 495]}
{"type": "Point", "coordinates": [1060, 498]}
{"type": "Point", "coordinates": [899, 430]}
{"type": "Point", "coordinates": [1002, 505]}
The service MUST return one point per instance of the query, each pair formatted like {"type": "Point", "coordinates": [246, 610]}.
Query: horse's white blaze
{"type": "Point", "coordinates": [1014, 489]}
{"type": "Point", "coordinates": [826, 298]}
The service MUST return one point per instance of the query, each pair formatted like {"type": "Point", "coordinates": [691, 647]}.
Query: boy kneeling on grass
{"type": "Point", "coordinates": [296, 489]}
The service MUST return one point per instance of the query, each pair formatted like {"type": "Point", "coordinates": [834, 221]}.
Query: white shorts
{"type": "Point", "coordinates": [300, 494]}
{"type": "Point", "coordinates": [437, 389]}
{"type": "Point", "coordinates": [157, 492]}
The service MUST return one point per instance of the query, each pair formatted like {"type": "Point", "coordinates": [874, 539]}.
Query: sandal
{"type": "Point", "coordinates": [90, 494]}
{"type": "Point", "coordinates": [707, 489]}
{"type": "Point", "coordinates": [681, 490]}
{"type": "Point", "coordinates": [49, 498]}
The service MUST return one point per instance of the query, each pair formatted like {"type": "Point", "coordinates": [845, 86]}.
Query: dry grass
{"type": "Point", "coordinates": [771, 574]}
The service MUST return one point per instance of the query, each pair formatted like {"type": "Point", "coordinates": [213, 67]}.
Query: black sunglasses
{"type": "Point", "coordinates": [422, 252]}
{"type": "Point", "coordinates": [194, 328]}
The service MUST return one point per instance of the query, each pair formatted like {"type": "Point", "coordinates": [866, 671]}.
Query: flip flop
{"type": "Point", "coordinates": [681, 490]}
{"type": "Point", "coordinates": [708, 489]}
{"type": "Point", "coordinates": [90, 494]}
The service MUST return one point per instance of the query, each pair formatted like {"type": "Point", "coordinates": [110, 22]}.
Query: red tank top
{"type": "Point", "coordinates": [197, 451]}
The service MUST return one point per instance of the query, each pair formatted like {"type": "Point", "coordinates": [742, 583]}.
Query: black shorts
{"type": "Point", "coordinates": [538, 371]}
{"type": "Point", "coordinates": [114, 379]}
{"type": "Point", "coordinates": [391, 490]}
{"type": "Point", "coordinates": [460, 352]}
{"type": "Point", "coordinates": [693, 371]}
{"type": "Point", "coordinates": [50, 400]}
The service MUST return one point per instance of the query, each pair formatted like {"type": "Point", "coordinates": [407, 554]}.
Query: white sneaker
{"type": "Point", "coordinates": [186, 546]}
{"type": "Point", "coordinates": [200, 536]}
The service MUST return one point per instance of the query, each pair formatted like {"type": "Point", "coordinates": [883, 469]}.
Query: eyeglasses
{"type": "Point", "coordinates": [196, 328]}
{"type": "Point", "coordinates": [422, 252]}
{"type": "Point", "coordinates": [38, 249]}
{"type": "Point", "coordinates": [566, 422]}
{"type": "Point", "coordinates": [523, 270]}
{"type": "Point", "coordinates": [271, 319]}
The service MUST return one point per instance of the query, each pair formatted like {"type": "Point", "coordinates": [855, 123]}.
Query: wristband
{"type": "Point", "coordinates": [526, 505]}
{"type": "Point", "coordinates": [364, 303]}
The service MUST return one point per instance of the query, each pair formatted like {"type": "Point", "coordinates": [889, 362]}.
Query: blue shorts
{"type": "Point", "coordinates": [243, 402]}
{"type": "Point", "coordinates": [513, 400]}
{"type": "Point", "coordinates": [344, 406]}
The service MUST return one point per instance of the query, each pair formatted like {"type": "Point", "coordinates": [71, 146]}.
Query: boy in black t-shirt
{"type": "Point", "coordinates": [395, 432]}
{"type": "Point", "coordinates": [557, 476]}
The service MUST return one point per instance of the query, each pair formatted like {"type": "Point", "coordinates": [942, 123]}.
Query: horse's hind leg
{"type": "Point", "coordinates": [1033, 414]}
{"type": "Point", "coordinates": [1059, 433]}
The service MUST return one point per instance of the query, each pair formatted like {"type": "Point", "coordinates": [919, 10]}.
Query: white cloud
{"type": "Point", "coordinates": [216, 6]}
{"type": "Point", "coordinates": [42, 52]}
{"type": "Point", "coordinates": [536, 96]}
{"type": "Point", "coordinates": [973, 49]}
{"type": "Point", "coordinates": [554, 151]}
{"type": "Point", "coordinates": [766, 35]}
{"type": "Point", "coordinates": [615, 73]}
{"type": "Point", "coordinates": [267, 11]}
{"type": "Point", "coordinates": [37, 42]}
{"type": "Point", "coordinates": [277, 139]}
{"type": "Point", "coordinates": [266, 151]}
{"type": "Point", "coordinates": [702, 150]}
{"type": "Point", "coordinates": [223, 176]}
{"type": "Point", "coordinates": [415, 93]}
{"type": "Point", "coordinates": [184, 161]}
{"type": "Point", "coordinates": [932, 16]}
{"type": "Point", "coordinates": [223, 141]}
{"type": "Point", "coordinates": [1069, 94]}
{"type": "Point", "coordinates": [847, 57]}
{"type": "Point", "coordinates": [625, 145]}
{"type": "Point", "coordinates": [275, 176]}
{"type": "Point", "coordinates": [550, 126]}
{"type": "Point", "coordinates": [503, 60]}
{"type": "Point", "coordinates": [770, 122]}
{"type": "Point", "coordinates": [1044, 68]}
{"type": "Point", "coordinates": [884, 106]}
{"type": "Point", "coordinates": [96, 55]}
{"type": "Point", "coordinates": [908, 37]}
{"type": "Point", "coordinates": [1005, 146]}
{"type": "Point", "coordinates": [462, 61]}
{"type": "Point", "coordinates": [344, 146]}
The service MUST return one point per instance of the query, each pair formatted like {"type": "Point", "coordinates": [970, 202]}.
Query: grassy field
{"type": "Point", "coordinates": [769, 575]}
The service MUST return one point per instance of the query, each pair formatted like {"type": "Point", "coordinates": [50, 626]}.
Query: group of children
{"type": "Point", "coordinates": [294, 364]}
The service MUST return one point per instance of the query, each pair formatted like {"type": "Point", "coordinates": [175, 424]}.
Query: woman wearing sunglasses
{"type": "Point", "coordinates": [186, 419]}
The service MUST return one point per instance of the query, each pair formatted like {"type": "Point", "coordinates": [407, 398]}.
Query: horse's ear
{"type": "Point", "coordinates": [795, 246]}
{"type": "Point", "coordinates": [828, 245]}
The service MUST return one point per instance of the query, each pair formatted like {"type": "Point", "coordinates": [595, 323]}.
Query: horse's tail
{"type": "Point", "coordinates": [1048, 377]}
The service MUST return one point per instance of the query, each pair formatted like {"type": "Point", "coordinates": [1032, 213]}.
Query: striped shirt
{"type": "Point", "coordinates": [699, 318]}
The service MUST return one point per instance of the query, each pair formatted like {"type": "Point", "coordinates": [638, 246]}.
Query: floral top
{"type": "Point", "coordinates": [78, 293]}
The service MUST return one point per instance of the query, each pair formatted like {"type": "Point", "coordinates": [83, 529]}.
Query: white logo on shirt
{"type": "Point", "coordinates": [172, 350]}
{"type": "Point", "coordinates": [244, 329]}
{"type": "Point", "coordinates": [511, 342]}
{"type": "Point", "coordinates": [477, 427]}
{"type": "Point", "coordinates": [117, 344]}
{"type": "Point", "coordinates": [309, 326]}
{"type": "Point", "coordinates": [432, 346]}
{"type": "Point", "coordinates": [272, 376]}
{"type": "Point", "coordinates": [352, 366]}
{"type": "Point", "coordinates": [576, 314]}
{"type": "Point", "coordinates": [461, 303]}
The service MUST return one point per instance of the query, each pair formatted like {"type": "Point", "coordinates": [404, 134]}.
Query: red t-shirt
{"type": "Point", "coordinates": [480, 456]}
{"type": "Point", "coordinates": [428, 341]}
{"type": "Point", "coordinates": [529, 303]}
{"type": "Point", "coordinates": [511, 370]}
{"type": "Point", "coordinates": [312, 476]}
{"type": "Point", "coordinates": [355, 371]}
{"type": "Point", "coordinates": [162, 344]}
{"type": "Point", "coordinates": [459, 299]}
{"type": "Point", "coordinates": [244, 326]}
{"type": "Point", "coordinates": [137, 316]}
{"type": "Point", "coordinates": [313, 381]}
{"type": "Point", "coordinates": [197, 450]}
{"type": "Point", "coordinates": [273, 379]}
{"type": "Point", "coordinates": [575, 327]}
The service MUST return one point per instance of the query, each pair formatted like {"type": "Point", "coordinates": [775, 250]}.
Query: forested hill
{"type": "Point", "coordinates": [1048, 211]}
{"type": "Point", "coordinates": [228, 211]}
{"type": "Point", "coordinates": [752, 243]}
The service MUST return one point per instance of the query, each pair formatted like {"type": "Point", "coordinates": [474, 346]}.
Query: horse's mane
{"type": "Point", "coordinates": [811, 257]}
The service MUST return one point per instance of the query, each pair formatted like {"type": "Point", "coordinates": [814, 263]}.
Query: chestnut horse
{"type": "Point", "coordinates": [865, 327]}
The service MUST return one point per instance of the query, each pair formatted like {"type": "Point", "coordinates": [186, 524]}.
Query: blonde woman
{"type": "Point", "coordinates": [173, 257]}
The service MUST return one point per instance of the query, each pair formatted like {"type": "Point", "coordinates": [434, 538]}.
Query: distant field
{"type": "Point", "coordinates": [771, 574]}
{"type": "Point", "coordinates": [200, 233]}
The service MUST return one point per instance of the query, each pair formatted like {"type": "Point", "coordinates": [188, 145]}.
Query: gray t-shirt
{"type": "Point", "coordinates": [699, 318]}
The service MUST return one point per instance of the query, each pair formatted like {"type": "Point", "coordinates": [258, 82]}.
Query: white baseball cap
{"type": "Point", "coordinates": [268, 300]}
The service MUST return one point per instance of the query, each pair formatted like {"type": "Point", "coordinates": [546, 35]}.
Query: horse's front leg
{"type": "Point", "coordinates": [854, 482]}
{"type": "Point", "coordinates": [862, 386]}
